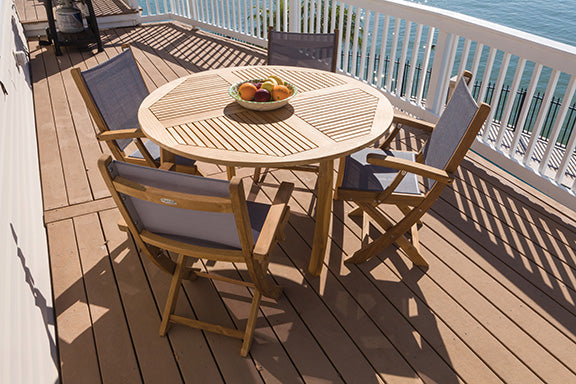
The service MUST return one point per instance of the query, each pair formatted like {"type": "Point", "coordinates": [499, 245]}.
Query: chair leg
{"type": "Point", "coordinates": [385, 241]}
{"type": "Point", "coordinates": [251, 324]}
{"type": "Point", "coordinates": [231, 172]}
{"type": "Point", "coordinates": [391, 137]}
{"type": "Point", "coordinates": [173, 294]}
{"type": "Point", "coordinates": [365, 235]}
{"type": "Point", "coordinates": [256, 175]}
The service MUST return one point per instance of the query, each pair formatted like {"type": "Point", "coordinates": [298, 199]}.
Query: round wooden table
{"type": "Point", "coordinates": [332, 116]}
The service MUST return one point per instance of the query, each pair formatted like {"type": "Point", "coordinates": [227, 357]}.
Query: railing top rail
{"type": "Point", "coordinates": [527, 45]}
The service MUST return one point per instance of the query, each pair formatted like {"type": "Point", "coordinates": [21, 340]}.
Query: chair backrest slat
{"type": "Point", "coordinates": [184, 210]}
{"type": "Point", "coordinates": [118, 89]}
{"type": "Point", "coordinates": [309, 50]}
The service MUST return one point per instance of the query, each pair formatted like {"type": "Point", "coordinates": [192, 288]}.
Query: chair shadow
{"type": "Point", "coordinates": [532, 248]}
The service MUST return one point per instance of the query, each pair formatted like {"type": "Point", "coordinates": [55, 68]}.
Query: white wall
{"type": "Point", "coordinates": [27, 333]}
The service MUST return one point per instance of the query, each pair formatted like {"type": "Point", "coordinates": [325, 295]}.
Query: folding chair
{"type": "Point", "coordinates": [197, 217]}
{"type": "Point", "coordinates": [372, 177]}
{"type": "Point", "coordinates": [113, 92]}
{"type": "Point", "coordinates": [308, 50]}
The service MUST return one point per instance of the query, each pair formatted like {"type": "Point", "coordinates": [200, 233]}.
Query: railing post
{"type": "Point", "coordinates": [192, 9]}
{"type": "Point", "coordinates": [440, 68]}
{"type": "Point", "coordinates": [294, 15]}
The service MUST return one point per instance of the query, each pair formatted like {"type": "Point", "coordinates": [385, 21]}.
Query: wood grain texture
{"type": "Point", "coordinates": [333, 115]}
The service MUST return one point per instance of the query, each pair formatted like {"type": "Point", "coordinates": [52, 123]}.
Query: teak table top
{"type": "Point", "coordinates": [332, 115]}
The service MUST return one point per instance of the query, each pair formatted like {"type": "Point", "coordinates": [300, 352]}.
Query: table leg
{"type": "Point", "coordinates": [166, 157]}
{"type": "Point", "coordinates": [323, 216]}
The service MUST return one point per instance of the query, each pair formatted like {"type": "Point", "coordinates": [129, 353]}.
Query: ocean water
{"type": "Point", "coordinates": [555, 20]}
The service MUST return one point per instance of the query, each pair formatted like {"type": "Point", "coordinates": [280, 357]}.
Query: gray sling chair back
{"type": "Point", "coordinates": [308, 50]}
{"type": "Point", "coordinates": [402, 120]}
{"type": "Point", "coordinates": [113, 92]}
{"type": "Point", "coordinates": [170, 213]}
{"type": "Point", "coordinates": [372, 177]}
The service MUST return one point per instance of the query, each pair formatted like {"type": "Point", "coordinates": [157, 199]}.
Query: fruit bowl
{"type": "Point", "coordinates": [261, 105]}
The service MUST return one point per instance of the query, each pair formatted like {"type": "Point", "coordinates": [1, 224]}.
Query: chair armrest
{"type": "Point", "coordinates": [413, 122]}
{"type": "Point", "coordinates": [130, 133]}
{"type": "Point", "coordinates": [275, 220]}
{"type": "Point", "coordinates": [410, 166]}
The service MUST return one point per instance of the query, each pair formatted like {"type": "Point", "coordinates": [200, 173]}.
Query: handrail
{"type": "Point", "coordinates": [383, 42]}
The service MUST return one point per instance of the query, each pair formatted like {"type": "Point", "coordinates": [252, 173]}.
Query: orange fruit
{"type": "Point", "coordinates": [247, 91]}
{"type": "Point", "coordinates": [280, 92]}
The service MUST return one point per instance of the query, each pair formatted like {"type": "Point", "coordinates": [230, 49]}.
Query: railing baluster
{"type": "Point", "coordinates": [217, 6]}
{"type": "Point", "coordinates": [525, 109]}
{"type": "Point", "coordinates": [425, 64]}
{"type": "Point", "coordinates": [257, 10]}
{"type": "Point", "coordinates": [393, 49]}
{"type": "Point", "coordinates": [380, 81]}
{"type": "Point", "coordinates": [333, 23]}
{"type": "Point", "coordinates": [568, 154]}
{"type": "Point", "coordinates": [487, 74]}
{"type": "Point", "coordinates": [234, 16]}
{"type": "Point", "coordinates": [496, 96]}
{"type": "Point", "coordinates": [476, 62]}
{"type": "Point", "coordinates": [347, 39]}
{"type": "Point", "coordinates": [510, 102]}
{"type": "Point", "coordinates": [541, 115]}
{"type": "Point", "coordinates": [325, 16]}
{"type": "Point", "coordinates": [354, 63]}
{"type": "Point", "coordinates": [305, 17]}
{"type": "Point", "coordinates": [270, 18]}
{"type": "Point", "coordinates": [558, 125]}
{"type": "Point", "coordinates": [414, 61]}
{"type": "Point", "coordinates": [366, 27]}
{"type": "Point", "coordinates": [245, 19]}
{"type": "Point", "coordinates": [278, 10]}
{"type": "Point", "coordinates": [318, 14]}
{"type": "Point", "coordinates": [400, 78]}
{"type": "Point", "coordinates": [464, 56]}
{"type": "Point", "coordinates": [373, 49]}
{"type": "Point", "coordinates": [440, 75]}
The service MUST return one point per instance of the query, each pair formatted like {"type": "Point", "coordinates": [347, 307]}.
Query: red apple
{"type": "Point", "coordinates": [262, 95]}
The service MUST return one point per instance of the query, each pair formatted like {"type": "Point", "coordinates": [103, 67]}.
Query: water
{"type": "Point", "coordinates": [555, 20]}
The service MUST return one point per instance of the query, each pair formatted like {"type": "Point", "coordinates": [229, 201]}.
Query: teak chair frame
{"type": "Point", "coordinates": [256, 256]}
{"type": "Point", "coordinates": [110, 136]}
{"type": "Point", "coordinates": [412, 206]}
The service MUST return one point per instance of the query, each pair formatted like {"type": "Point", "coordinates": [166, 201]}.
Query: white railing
{"type": "Point", "coordinates": [412, 51]}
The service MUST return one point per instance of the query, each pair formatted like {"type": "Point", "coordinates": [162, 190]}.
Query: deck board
{"type": "Point", "coordinates": [496, 305]}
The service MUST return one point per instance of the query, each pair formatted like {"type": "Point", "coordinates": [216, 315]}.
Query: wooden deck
{"type": "Point", "coordinates": [496, 305]}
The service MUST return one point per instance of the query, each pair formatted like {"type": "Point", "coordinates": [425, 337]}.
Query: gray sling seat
{"type": "Point", "coordinates": [372, 177]}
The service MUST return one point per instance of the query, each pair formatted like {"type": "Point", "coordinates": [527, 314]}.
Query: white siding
{"type": "Point", "coordinates": [27, 335]}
